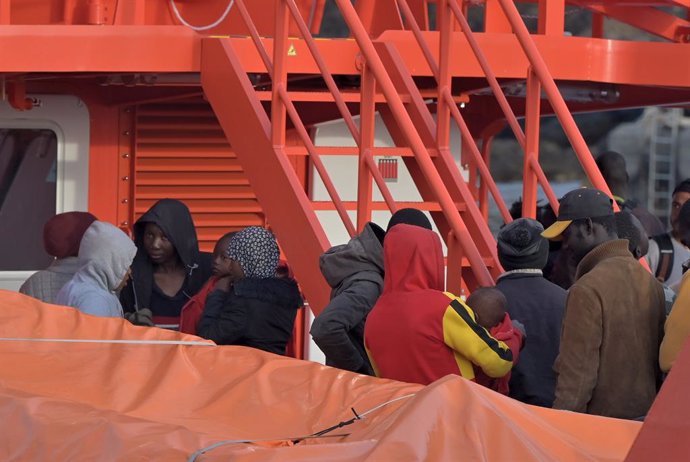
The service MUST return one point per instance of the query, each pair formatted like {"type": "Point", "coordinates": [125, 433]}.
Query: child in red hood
{"type": "Point", "coordinates": [489, 306]}
{"type": "Point", "coordinates": [194, 308]}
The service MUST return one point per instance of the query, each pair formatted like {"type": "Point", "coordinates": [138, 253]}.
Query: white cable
{"type": "Point", "coordinates": [128, 342]}
{"type": "Point", "coordinates": [386, 404]}
{"type": "Point", "coordinates": [202, 28]}
{"type": "Point", "coordinates": [202, 451]}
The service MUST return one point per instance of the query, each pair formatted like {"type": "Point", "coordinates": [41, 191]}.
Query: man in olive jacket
{"type": "Point", "coordinates": [607, 363]}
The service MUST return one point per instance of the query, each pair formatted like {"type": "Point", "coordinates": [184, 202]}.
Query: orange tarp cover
{"type": "Point", "coordinates": [64, 397]}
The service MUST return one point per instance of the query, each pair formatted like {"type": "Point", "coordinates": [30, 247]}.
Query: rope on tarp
{"type": "Point", "coordinates": [295, 440]}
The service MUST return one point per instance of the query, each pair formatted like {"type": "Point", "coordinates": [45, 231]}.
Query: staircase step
{"type": "Point", "coordinates": [379, 205]}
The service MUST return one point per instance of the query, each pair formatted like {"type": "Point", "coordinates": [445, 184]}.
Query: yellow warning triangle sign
{"type": "Point", "coordinates": [291, 50]}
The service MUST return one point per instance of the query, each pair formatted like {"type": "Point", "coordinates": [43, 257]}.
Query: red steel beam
{"type": "Point", "coordinates": [648, 19]}
{"type": "Point", "coordinates": [420, 150]}
{"type": "Point", "coordinates": [532, 119]}
{"type": "Point", "coordinates": [551, 17]}
{"type": "Point", "coordinates": [5, 12]}
{"type": "Point", "coordinates": [315, 159]}
{"type": "Point", "coordinates": [98, 49]}
{"type": "Point", "coordinates": [557, 102]}
{"type": "Point", "coordinates": [247, 127]}
{"type": "Point", "coordinates": [441, 175]}
{"type": "Point", "coordinates": [177, 49]}
{"type": "Point", "coordinates": [367, 123]}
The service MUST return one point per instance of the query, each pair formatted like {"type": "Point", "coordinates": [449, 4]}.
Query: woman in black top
{"type": "Point", "coordinates": [168, 268]}
{"type": "Point", "coordinates": [252, 306]}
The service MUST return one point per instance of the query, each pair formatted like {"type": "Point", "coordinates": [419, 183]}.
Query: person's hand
{"type": "Point", "coordinates": [224, 283]}
{"type": "Point", "coordinates": [143, 317]}
{"type": "Point", "coordinates": [519, 326]}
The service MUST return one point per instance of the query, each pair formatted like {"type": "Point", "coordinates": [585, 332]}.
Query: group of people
{"type": "Point", "coordinates": [390, 315]}
{"type": "Point", "coordinates": [236, 296]}
{"type": "Point", "coordinates": [575, 321]}
{"type": "Point", "coordinates": [597, 338]}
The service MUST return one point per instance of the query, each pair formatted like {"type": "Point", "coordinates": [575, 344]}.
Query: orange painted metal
{"type": "Point", "coordinates": [532, 119]}
{"type": "Point", "coordinates": [125, 169]}
{"type": "Point", "coordinates": [551, 17]}
{"type": "Point", "coordinates": [648, 19]}
{"type": "Point", "coordinates": [440, 173]}
{"type": "Point", "coordinates": [278, 189]}
{"type": "Point", "coordinates": [367, 127]}
{"type": "Point", "coordinates": [561, 109]}
{"type": "Point", "coordinates": [104, 160]}
{"type": "Point", "coordinates": [5, 12]}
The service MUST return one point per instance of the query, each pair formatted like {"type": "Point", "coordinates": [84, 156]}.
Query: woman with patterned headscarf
{"type": "Point", "coordinates": [252, 307]}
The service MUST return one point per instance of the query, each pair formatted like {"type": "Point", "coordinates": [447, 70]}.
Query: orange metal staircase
{"type": "Point", "coordinates": [267, 99]}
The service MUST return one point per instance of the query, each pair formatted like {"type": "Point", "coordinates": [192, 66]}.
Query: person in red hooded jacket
{"type": "Point", "coordinates": [418, 333]}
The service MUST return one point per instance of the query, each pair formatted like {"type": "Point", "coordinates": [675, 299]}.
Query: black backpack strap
{"type": "Point", "coordinates": [665, 266]}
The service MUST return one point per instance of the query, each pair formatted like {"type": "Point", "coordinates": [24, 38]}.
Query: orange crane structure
{"type": "Point", "coordinates": [214, 102]}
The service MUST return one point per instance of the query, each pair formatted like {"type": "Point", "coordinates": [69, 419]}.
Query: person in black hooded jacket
{"type": "Point", "coordinates": [168, 269]}
{"type": "Point", "coordinates": [252, 307]}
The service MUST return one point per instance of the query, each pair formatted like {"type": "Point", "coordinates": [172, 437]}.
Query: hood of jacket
{"type": "Point", "coordinates": [174, 219]}
{"type": "Point", "coordinates": [364, 252]}
{"type": "Point", "coordinates": [106, 254]}
{"type": "Point", "coordinates": [413, 259]}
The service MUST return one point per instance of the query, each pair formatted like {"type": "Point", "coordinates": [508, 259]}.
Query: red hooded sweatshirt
{"type": "Point", "coordinates": [418, 333]}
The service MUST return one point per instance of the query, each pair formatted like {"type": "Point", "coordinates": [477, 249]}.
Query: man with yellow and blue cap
{"type": "Point", "coordinates": [613, 325]}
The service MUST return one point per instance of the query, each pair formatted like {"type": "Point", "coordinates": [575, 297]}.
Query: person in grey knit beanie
{"type": "Point", "coordinates": [521, 245]}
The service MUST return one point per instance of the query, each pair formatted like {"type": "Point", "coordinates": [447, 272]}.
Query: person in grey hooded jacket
{"type": "Point", "coordinates": [106, 254]}
{"type": "Point", "coordinates": [355, 273]}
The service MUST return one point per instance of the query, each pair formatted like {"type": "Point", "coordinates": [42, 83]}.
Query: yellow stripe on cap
{"type": "Point", "coordinates": [555, 231]}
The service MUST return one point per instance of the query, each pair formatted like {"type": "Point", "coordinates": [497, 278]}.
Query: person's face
{"type": "Point", "coordinates": [578, 240]}
{"type": "Point", "coordinates": [221, 262]}
{"type": "Point", "coordinates": [236, 272]}
{"type": "Point", "coordinates": [125, 280]}
{"type": "Point", "coordinates": [157, 245]}
{"type": "Point", "coordinates": [678, 200]}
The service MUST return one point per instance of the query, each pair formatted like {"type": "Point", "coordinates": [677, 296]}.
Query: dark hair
{"type": "Point", "coordinates": [683, 186]}
{"type": "Point", "coordinates": [409, 216]}
{"type": "Point", "coordinates": [227, 235]}
{"type": "Point", "coordinates": [612, 167]}
{"type": "Point", "coordinates": [608, 222]}
{"type": "Point", "coordinates": [627, 230]}
{"type": "Point", "coordinates": [489, 305]}
{"type": "Point", "coordinates": [516, 209]}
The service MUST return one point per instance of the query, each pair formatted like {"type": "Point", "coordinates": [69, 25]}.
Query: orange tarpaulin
{"type": "Point", "coordinates": [76, 387]}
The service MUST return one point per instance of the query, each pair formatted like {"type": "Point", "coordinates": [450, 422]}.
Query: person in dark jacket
{"type": "Point", "coordinates": [168, 269]}
{"type": "Point", "coordinates": [253, 307]}
{"type": "Point", "coordinates": [535, 302]}
{"type": "Point", "coordinates": [355, 273]}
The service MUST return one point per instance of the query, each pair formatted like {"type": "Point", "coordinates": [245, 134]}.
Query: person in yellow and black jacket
{"type": "Point", "coordinates": [418, 333]}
